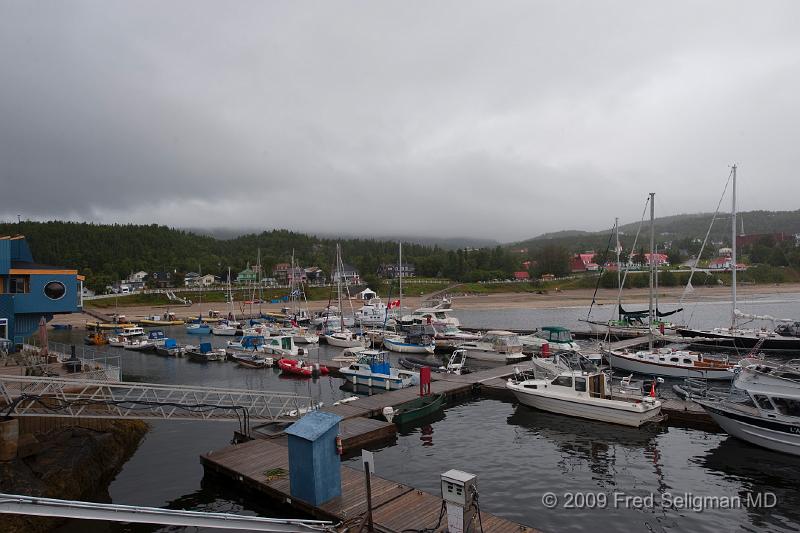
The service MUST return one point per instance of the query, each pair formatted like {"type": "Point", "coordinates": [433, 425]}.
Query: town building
{"type": "Point", "coordinates": [656, 259]}
{"type": "Point", "coordinates": [281, 272]}
{"type": "Point", "coordinates": [30, 291]}
{"type": "Point", "coordinates": [393, 270]}
{"type": "Point", "coordinates": [161, 280]}
{"type": "Point", "coordinates": [315, 275]}
{"type": "Point", "coordinates": [247, 276]}
{"type": "Point", "coordinates": [296, 275]}
{"type": "Point", "coordinates": [522, 275]}
{"type": "Point", "coordinates": [583, 263]}
{"type": "Point", "coordinates": [348, 274]}
{"type": "Point", "coordinates": [137, 277]}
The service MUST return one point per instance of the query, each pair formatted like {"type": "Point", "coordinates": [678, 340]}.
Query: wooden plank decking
{"type": "Point", "coordinates": [395, 506]}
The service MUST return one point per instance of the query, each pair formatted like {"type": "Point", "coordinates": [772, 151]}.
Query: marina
{"type": "Point", "coordinates": [388, 268]}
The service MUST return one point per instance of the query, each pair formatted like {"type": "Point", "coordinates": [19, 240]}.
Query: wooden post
{"type": "Point", "coordinates": [369, 499]}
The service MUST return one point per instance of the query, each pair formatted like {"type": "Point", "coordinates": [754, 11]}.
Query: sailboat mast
{"type": "Point", "coordinates": [619, 270]}
{"type": "Point", "coordinates": [400, 268]}
{"type": "Point", "coordinates": [652, 261]}
{"type": "Point", "coordinates": [339, 268]}
{"type": "Point", "coordinates": [733, 251]}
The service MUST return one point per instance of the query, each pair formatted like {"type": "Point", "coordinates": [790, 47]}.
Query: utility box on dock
{"type": "Point", "coordinates": [314, 466]}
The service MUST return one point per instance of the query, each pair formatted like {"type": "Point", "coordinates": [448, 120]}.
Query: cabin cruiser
{"type": "Point", "coordinates": [437, 316]}
{"type": "Point", "coordinates": [418, 339]}
{"type": "Point", "coordinates": [668, 362]}
{"type": "Point", "coordinates": [373, 313]}
{"type": "Point", "coordinates": [344, 338]}
{"type": "Point", "coordinates": [451, 336]}
{"type": "Point", "coordinates": [329, 318]}
{"type": "Point", "coordinates": [496, 346]}
{"type": "Point", "coordinates": [227, 328]}
{"type": "Point", "coordinates": [556, 338]}
{"type": "Point", "coordinates": [282, 346]}
{"type": "Point", "coordinates": [582, 394]}
{"type": "Point", "coordinates": [763, 406]}
{"type": "Point", "coordinates": [373, 370]}
{"type": "Point", "coordinates": [126, 336]}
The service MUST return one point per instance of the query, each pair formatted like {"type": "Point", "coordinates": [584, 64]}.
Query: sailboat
{"type": "Point", "coordinates": [228, 327]}
{"type": "Point", "coordinates": [631, 323]}
{"type": "Point", "coordinates": [343, 338]}
{"type": "Point", "coordinates": [418, 338]}
{"type": "Point", "coordinates": [666, 362]}
{"type": "Point", "coordinates": [734, 337]}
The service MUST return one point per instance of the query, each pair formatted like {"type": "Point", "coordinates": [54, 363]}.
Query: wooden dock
{"type": "Point", "coordinates": [262, 467]}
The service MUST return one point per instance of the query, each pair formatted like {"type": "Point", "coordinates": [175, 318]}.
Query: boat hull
{"type": "Point", "coordinates": [494, 357]}
{"type": "Point", "coordinates": [650, 368]}
{"type": "Point", "coordinates": [715, 339]}
{"type": "Point", "coordinates": [343, 343]}
{"type": "Point", "coordinates": [771, 434]}
{"type": "Point", "coordinates": [418, 408]}
{"type": "Point", "coordinates": [590, 411]}
{"type": "Point", "coordinates": [404, 347]}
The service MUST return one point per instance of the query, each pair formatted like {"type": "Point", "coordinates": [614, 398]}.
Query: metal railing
{"type": "Point", "coordinates": [69, 397]}
{"type": "Point", "coordinates": [92, 364]}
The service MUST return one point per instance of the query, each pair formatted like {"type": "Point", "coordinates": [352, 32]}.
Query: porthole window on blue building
{"type": "Point", "coordinates": [55, 290]}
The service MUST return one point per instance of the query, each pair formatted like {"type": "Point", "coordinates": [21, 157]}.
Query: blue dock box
{"type": "Point", "coordinates": [314, 467]}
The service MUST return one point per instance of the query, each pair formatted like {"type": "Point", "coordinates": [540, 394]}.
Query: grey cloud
{"type": "Point", "coordinates": [489, 119]}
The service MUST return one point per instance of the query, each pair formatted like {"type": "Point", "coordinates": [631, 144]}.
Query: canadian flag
{"type": "Point", "coordinates": [394, 303]}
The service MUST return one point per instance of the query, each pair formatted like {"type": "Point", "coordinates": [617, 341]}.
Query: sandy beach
{"type": "Point", "coordinates": [551, 299]}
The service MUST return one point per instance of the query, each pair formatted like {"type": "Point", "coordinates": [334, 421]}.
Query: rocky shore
{"type": "Point", "coordinates": [72, 462]}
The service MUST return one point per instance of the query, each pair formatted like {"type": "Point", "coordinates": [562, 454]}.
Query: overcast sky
{"type": "Point", "coordinates": [494, 119]}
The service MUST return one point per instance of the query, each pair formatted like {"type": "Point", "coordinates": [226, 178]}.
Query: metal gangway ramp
{"type": "Point", "coordinates": [66, 397]}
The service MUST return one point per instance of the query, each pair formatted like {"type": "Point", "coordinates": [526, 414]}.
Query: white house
{"type": "Point", "coordinates": [138, 277]}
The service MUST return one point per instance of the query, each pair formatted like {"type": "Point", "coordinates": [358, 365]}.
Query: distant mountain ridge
{"type": "Point", "coordinates": [675, 227]}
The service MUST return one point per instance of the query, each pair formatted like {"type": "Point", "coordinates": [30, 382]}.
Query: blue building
{"type": "Point", "coordinates": [30, 291]}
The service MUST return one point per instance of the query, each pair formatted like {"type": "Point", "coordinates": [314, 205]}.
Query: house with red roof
{"type": "Point", "coordinates": [583, 263]}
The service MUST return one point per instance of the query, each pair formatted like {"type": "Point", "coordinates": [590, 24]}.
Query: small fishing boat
{"type": "Point", "coordinates": [496, 346]}
{"type": "Point", "coordinates": [205, 353]}
{"type": "Point", "coordinates": [252, 360]}
{"type": "Point", "coordinates": [226, 329]}
{"type": "Point", "coordinates": [456, 364]}
{"type": "Point", "coordinates": [198, 328]}
{"type": "Point", "coordinates": [281, 346]}
{"type": "Point", "coordinates": [556, 338]}
{"type": "Point", "coordinates": [373, 370]}
{"type": "Point", "coordinates": [298, 367]}
{"type": "Point", "coordinates": [170, 348]}
{"type": "Point", "coordinates": [583, 394]}
{"type": "Point", "coordinates": [419, 339]}
{"type": "Point", "coordinates": [96, 338]}
{"type": "Point", "coordinates": [344, 338]}
{"type": "Point", "coordinates": [762, 407]}
{"type": "Point", "coordinates": [415, 409]}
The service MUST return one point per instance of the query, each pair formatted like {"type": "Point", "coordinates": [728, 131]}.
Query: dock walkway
{"type": "Point", "coordinates": [263, 465]}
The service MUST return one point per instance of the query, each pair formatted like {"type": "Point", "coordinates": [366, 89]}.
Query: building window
{"type": "Point", "coordinates": [55, 290]}
{"type": "Point", "coordinates": [18, 284]}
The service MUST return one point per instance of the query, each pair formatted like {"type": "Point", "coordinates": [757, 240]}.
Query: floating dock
{"type": "Point", "coordinates": [262, 467]}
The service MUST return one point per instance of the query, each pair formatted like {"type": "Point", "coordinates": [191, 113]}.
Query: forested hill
{"type": "Point", "coordinates": [105, 253]}
{"type": "Point", "coordinates": [675, 228]}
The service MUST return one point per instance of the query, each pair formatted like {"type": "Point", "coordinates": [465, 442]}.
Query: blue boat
{"type": "Point", "coordinates": [170, 348]}
{"type": "Point", "coordinates": [198, 328]}
{"type": "Point", "coordinates": [373, 370]}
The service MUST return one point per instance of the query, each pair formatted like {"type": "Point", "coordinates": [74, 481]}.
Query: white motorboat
{"type": "Point", "coordinates": [373, 370]}
{"type": "Point", "coordinates": [763, 406]}
{"type": "Point", "coordinates": [344, 339]}
{"type": "Point", "coordinates": [496, 346]}
{"type": "Point", "coordinates": [227, 329]}
{"type": "Point", "coordinates": [556, 338]}
{"type": "Point", "coordinates": [281, 346]}
{"type": "Point", "coordinates": [373, 313]}
{"type": "Point", "coordinates": [583, 394]}
{"type": "Point", "coordinates": [126, 336]}
{"type": "Point", "coordinates": [419, 339]}
{"type": "Point", "coordinates": [668, 362]}
{"type": "Point", "coordinates": [438, 316]}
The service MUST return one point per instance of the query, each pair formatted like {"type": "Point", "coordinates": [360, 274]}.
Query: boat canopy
{"type": "Point", "coordinates": [639, 315]}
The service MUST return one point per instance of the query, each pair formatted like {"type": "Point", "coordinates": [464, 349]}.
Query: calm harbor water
{"type": "Point", "coordinates": [519, 454]}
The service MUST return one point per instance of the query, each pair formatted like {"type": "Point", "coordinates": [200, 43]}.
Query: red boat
{"type": "Point", "coordinates": [299, 368]}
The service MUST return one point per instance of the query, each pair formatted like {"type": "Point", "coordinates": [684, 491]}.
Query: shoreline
{"type": "Point", "coordinates": [552, 299]}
